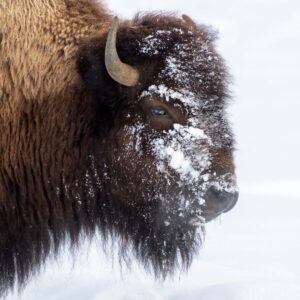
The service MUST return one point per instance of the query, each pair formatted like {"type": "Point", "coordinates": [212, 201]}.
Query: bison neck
{"type": "Point", "coordinates": [46, 130]}
{"type": "Point", "coordinates": [50, 187]}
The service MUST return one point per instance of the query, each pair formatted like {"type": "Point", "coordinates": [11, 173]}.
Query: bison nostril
{"type": "Point", "coordinates": [221, 201]}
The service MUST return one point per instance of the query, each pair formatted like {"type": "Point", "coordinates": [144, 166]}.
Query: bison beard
{"type": "Point", "coordinates": [96, 156]}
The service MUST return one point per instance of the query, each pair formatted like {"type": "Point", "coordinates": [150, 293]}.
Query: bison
{"type": "Point", "coordinates": [110, 127]}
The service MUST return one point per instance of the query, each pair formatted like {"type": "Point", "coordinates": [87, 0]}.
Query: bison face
{"type": "Point", "coordinates": [167, 158]}
{"type": "Point", "coordinates": [166, 153]}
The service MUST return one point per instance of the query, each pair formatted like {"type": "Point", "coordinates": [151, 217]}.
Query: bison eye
{"type": "Point", "coordinates": [159, 112]}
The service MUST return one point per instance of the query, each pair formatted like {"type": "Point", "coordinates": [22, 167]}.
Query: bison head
{"type": "Point", "coordinates": [164, 167]}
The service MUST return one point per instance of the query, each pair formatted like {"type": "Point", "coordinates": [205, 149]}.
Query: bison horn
{"type": "Point", "coordinates": [188, 21]}
{"type": "Point", "coordinates": [120, 72]}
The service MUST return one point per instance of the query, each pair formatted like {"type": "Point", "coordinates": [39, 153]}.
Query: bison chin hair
{"type": "Point", "coordinates": [163, 248]}
{"type": "Point", "coordinates": [157, 235]}
{"type": "Point", "coordinates": [162, 251]}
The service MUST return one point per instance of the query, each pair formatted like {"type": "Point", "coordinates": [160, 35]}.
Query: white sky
{"type": "Point", "coordinates": [260, 40]}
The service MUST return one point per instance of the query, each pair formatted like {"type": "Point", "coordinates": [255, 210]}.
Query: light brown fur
{"type": "Point", "coordinates": [40, 37]}
{"type": "Point", "coordinates": [38, 84]}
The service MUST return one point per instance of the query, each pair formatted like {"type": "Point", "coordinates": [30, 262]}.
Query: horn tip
{"type": "Point", "coordinates": [115, 19]}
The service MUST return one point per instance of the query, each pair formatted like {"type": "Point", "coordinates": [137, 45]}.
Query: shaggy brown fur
{"type": "Point", "coordinates": [61, 124]}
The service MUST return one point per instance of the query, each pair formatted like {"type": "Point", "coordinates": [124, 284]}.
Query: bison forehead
{"type": "Point", "coordinates": [189, 57]}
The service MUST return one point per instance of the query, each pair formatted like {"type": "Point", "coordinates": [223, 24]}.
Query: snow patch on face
{"type": "Point", "coordinates": [152, 44]}
{"type": "Point", "coordinates": [135, 137]}
{"type": "Point", "coordinates": [174, 69]}
{"type": "Point", "coordinates": [184, 150]}
{"type": "Point", "coordinates": [184, 96]}
{"type": "Point", "coordinates": [226, 183]}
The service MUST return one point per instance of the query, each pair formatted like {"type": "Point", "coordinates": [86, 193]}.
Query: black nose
{"type": "Point", "coordinates": [220, 201]}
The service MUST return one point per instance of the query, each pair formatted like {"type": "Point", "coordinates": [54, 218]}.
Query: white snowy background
{"type": "Point", "coordinates": [253, 252]}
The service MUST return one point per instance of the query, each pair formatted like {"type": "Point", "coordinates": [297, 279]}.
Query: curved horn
{"type": "Point", "coordinates": [118, 71]}
{"type": "Point", "coordinates": [189, 21]}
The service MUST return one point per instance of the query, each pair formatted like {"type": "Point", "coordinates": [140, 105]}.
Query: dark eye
{"type": "Point", "coordinates": [159, 112]}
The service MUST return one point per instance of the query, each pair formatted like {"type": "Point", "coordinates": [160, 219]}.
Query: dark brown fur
{"type": "Point", "coordinates": [61, 120]}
